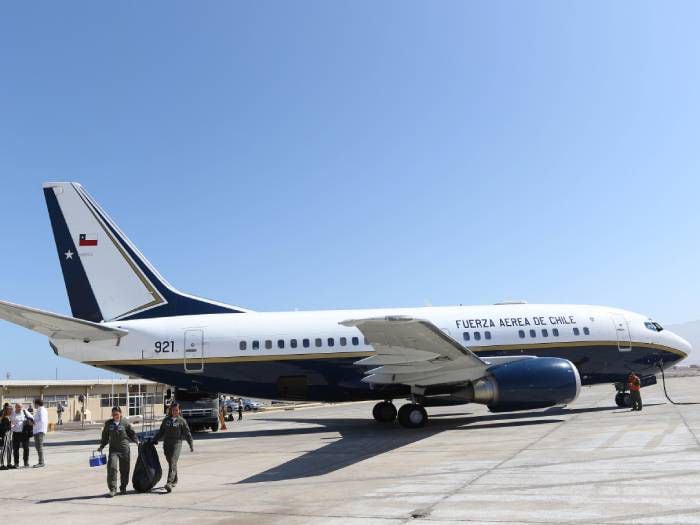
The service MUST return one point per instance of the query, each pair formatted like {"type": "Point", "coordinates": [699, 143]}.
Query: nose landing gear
{"type": "Point", "coordinates": [623, 399]}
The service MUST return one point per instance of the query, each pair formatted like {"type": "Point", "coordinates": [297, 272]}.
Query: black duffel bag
{"type": "Point", "coordinates": [147, 471]}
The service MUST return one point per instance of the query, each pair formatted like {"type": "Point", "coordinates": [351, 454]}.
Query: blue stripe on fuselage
{"type": "Point", "coordinates": [339, 379]}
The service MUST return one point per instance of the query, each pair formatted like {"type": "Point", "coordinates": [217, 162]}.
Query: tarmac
{"type": "Point", "coordinates": [590, 462]}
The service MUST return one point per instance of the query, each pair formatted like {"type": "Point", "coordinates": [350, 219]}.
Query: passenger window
{"type": "Point", "coordinates": [586, 331]}
{"type": "Point", "coordinates": [544, 333]}
{"type": "Point", "coordinates": [242, 345]}
{"type": "Point", "coordinates": [330, 341]}
{"type": "Point", "coordinates": [343, 341]}
{"type": "Point", "coordinates": [268, 344]}
{"type": "Point", "coordinates": [305, 343]}
{"type": "Point", "coordinates": [466, 336]}
{"type": "Point", "coordinates": [293, 343]}
{"type": "Point", "coordinates": [487, 334]}
{"type": "Point", "coordinates": [280, 343]}
{"type": "Point", "coordinates": [577, 331]}
{"type": "Point", "coordinates": [477, 336]}
{"type": "Point", "coordinates": [521, 334]}
{"type": "Point", "coordinates": [256, 345]}
{"type": "Point", "coordinates": [355, 341]}
{"type": "Point", "coordinates": [533, 333]}
{"type": "Point", "coordinates": [555, 332]}
{"type": "Point", "coordinates": [366, 341]}
{"type": "Point", "coordinates": [318, 342]}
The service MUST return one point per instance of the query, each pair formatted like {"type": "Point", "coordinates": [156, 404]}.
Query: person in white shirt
{"type": "Point", "coordinates": [41, 427]}
{"type": "Point", "coordinates": [22, 422]}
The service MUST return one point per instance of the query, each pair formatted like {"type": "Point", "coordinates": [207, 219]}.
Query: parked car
{"type": "Point", "coordinates": [231, 407]}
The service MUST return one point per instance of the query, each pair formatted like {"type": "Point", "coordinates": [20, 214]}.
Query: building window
{"type": "Point", "coordinates": [242, 345]}
{"type": "Point", "coordinates": [355, 341]}
{"type": "Point", "coordinates": [268, 344]}
{"type": "Point", "coordinates": [555, 332]}
{"type": "Point", "coordinates": [521, 334]}
{"type": "Point", "coordinates": [487, 334]}
{"type": "Point", "coordinates": [477, 336]}
{"type": "Point", "coordinates": [107, 400]}
{"type": "Point", "coordinates": [305, 343]}
{"type": "Point", "coordinates": [343, 341]}
{"type": "Point", "coordinates": [586, 331]}
{"type": "Point", "coordinates": [466, 336]}
{"type": "Point", "coordinates": [533, 333]}
{"type": "Point", "coordinates": [280, 343]}
{"type": "Point", "coordinates": [318, 342]}
{"type": "Point", "coordinates": [330, 341]}
{"type": "Point", "coordinates": [256, 345]}
{"type": "Point", "coordinates": [577, 331]}
{"type": "Point", "coordinates": [544, 333]}
{"type": "Point", "coordinates": [293, 343]}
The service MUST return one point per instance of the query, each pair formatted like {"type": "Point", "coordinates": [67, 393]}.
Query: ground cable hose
{"type": "Point", "coordinates": [663, 381]}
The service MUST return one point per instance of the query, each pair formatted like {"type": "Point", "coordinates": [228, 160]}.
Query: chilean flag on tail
{"type": "Point", "coordinates": [87, 239]}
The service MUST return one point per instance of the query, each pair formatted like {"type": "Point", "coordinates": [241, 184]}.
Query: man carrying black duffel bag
{"type": "Point", "coordinates": [172, 431]}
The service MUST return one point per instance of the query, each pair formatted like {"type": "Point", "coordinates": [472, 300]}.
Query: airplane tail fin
{"type": "Point", "coordinates": [106, 276]}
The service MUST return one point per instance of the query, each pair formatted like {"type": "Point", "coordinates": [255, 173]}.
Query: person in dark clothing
{"type": "Point", "coordinates": [172, 431]}
{"type": "Point", "coordinates": [240, 410]}
{"type": "Point", "coordinates": [5, 438]}
{"type": "Point", "coordinates": [118, 433]}
{"type": "Point", "coordinates": [634, 385]}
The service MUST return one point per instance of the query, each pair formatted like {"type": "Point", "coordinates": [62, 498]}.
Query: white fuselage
{"type": "Point", "coordinates": [193, 344]}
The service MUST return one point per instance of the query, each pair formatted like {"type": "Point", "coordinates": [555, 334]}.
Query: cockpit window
{"type": "Point", "coordinates": [653, 325]}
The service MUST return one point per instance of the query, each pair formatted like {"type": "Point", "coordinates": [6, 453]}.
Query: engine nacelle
{"type": "Point", "coordinates": [527, 384]}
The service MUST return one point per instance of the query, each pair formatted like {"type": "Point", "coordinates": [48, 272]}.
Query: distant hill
{"type": "Point", "coordinates": [689, 331]}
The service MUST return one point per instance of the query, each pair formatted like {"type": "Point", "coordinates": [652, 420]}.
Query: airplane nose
{"type": "Point", "coordinates": [681, 344]}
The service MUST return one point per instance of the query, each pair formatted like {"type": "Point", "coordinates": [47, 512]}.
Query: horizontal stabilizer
{"type": "Point", "coordinates": [58, 326]}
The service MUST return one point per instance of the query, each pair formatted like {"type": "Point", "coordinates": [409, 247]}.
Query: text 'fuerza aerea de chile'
{"type": "Point", "coordinates": [515, 321]}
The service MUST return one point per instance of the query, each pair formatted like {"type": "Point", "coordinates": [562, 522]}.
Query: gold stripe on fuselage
{"type": "Point", "coordinates": [343, 355]}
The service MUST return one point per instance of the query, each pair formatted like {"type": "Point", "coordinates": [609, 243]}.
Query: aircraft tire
{"type": "Point", "coordinates": [412, 415]}
{"type": "Point", "coordinates": [620, 399]}
{"type": "Point", "coordinates": [384, 412]}
{"type": "Point", "coordinates": [627, 400]}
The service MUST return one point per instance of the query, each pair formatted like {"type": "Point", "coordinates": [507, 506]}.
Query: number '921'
{"type": "Point", "coordinates": [164, 346]}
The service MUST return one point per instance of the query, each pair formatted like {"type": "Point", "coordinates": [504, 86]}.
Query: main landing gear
{"type": "Point", "coordinates": [384, 412]}
{"type": "Point", "coordinates": [411, 415]}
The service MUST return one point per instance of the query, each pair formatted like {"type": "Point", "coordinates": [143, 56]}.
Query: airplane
{"type": "Point", "coordinates": [511, 356]}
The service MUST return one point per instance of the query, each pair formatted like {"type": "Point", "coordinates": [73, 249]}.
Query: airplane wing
{"type": "Point", "coordinates": [58, 326]}
{"type": "Point", "coordinates": [415, 352]}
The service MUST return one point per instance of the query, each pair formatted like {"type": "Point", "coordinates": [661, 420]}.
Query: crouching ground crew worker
{"type": "Point", "coordinates": [118, 433]}
{"type": "Point", "coordinates": [172, 431]}
{"type": "Point", "coordinates": [634, 385]}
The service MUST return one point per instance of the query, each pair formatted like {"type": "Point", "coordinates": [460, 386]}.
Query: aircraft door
{"type": "Point", "coordinates": [622, 332]}
{"type": "Point", "coordinates": [194, 351]}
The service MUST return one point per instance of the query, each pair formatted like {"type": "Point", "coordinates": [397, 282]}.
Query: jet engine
{"type": "Point", "coordinates": [527, 384]}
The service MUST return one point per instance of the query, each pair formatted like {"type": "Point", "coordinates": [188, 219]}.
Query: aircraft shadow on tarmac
{"type": "Point", "coordinates": [363, 439]}
{"type": "Point", "coordinates": [353, 429]}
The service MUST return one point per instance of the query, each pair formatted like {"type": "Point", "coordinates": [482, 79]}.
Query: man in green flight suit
{"type": "Point", "coordinates": [118, 433]}
{"type": "Point", "coordinates": [172, 431]}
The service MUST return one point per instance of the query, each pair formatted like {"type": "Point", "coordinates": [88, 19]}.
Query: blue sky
{"type": "Point", "coordinates": [313, 155]}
